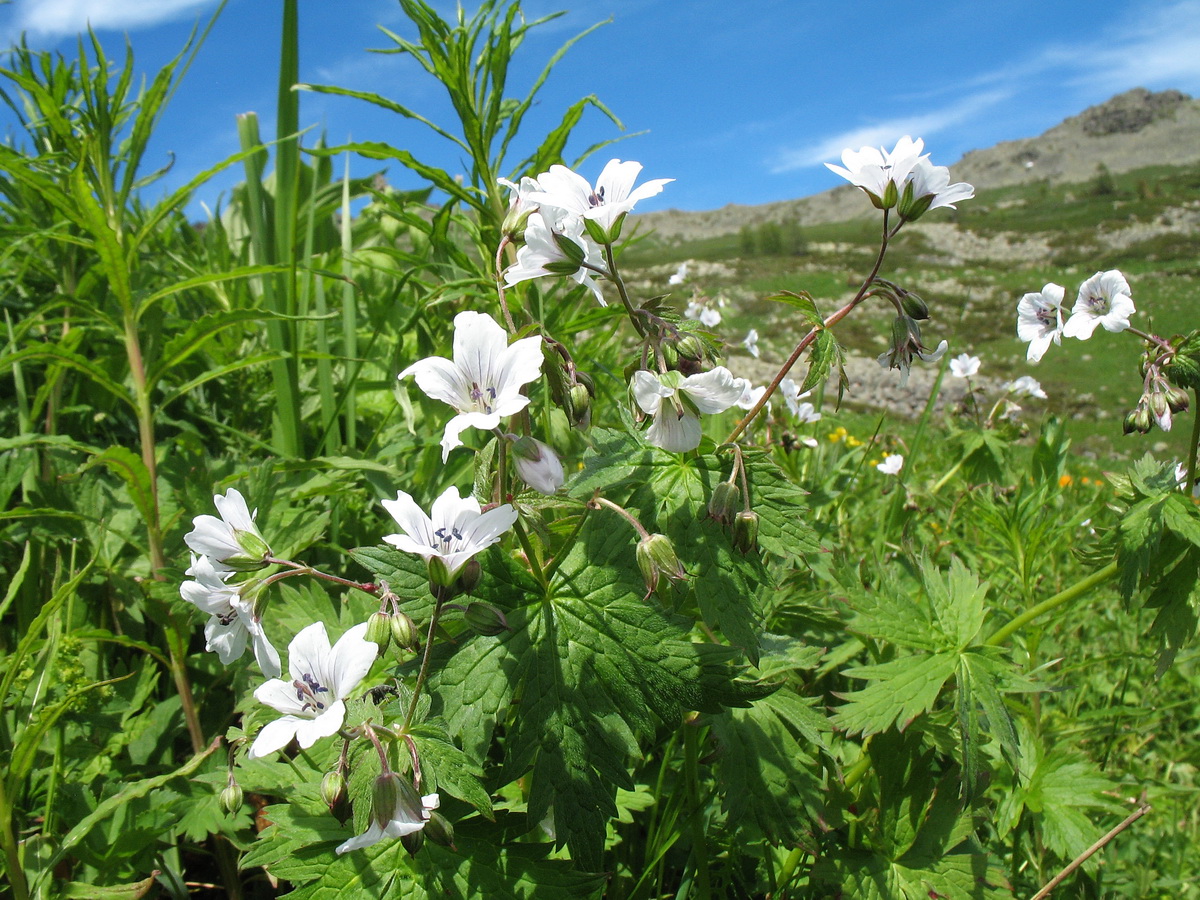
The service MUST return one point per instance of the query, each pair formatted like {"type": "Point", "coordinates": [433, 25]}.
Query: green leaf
{"type": "Point", "coordinates": [803, 302]}
{"type": "Point", "coordinates": [130, 468]}
{"type": "Point", "coordinates": [824, 354]}
{"type": "Point", "coordinates": [451, 769]}
{"type": "Point", "coordinates": [903, 689]}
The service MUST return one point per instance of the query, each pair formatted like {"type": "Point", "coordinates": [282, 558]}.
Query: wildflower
{"type": "Point", "coordinates": [838, 434]}
{"type": "Point", "coordinates": [233, 540]}
{"type": "Point", "coordinates": [929, 187]}
{"type": "Point", "coordinates": [891, 465]}
{"type": "Point", "coordinates": [679, 275]}
{"type": "Point", "coordinates": [708, 316]}
{"type": "Point", "coordinates": [1025, 386]}
{"type": "Point", "coordinates": [805, 412]}
{"type": "Point", "coordinates": [675, 403]}
{"type": "Point", "coordinates": [520, 206]}
{"type": "Point", "coordinates": [1103, 300]}
{"type": "Point", "coordinates": [454, 531]}
{"type": "Point", "coordinates": [234, 620]}
{"type": "Point", "coordinates": [906, 343]}
{"type": "Point", "coordinates": [878, 173]}
{"type": "Point", "coordinates": [404, 817]}
{"type": "Point", "coordinates": [538, 465]}
{"type": "Point", "coordinates": [607, 204]}
{"type": "Point", "coordinates": [1039, 320]}
{"type": "Point", "coordinates": [483, 382]}
{"type": "Point", "coordinates": [1065, 480]}
{"type": "Point", "coordinates": [964, 365]}
{"type": "Point", "coordinates": [750, 342]}
{"type": "Point", "coordinates": [313, 702]}
{"type": "Point", "coordinates": [559, 248]}
{"type": "Point", "coordinates": [750, 395]}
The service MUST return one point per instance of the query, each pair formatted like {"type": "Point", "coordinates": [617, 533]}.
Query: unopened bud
{"type": "Point", "coordinates": [745, 531]}
{"type": "Point", "coordinates": [413, 842]}
{"type": "Point", "coordinates": [404, 631]}
{"type": "Point", "coordinates": [1177, 399]}
{"type": "Point", "coordinates": [485, 619]}
{"type": "Point", "coordinates": [379, 629]}
{"type": "Point", "coordinates": [333, 788]}
{"type": "Point", "coordinates": [469, 577]}
{"type": "Point", "coordinates": [1137, 420]}
{"type": "Point", "coordinates": [538, 465]}
{"type": "Point", "coordinates": [1161, 410]}
{"type": "Point", "coordinates": [689, 346]}
{"type": "Point", "coordinates": [723, 504]}
{"type": "Point", "coordinates": [914, 306]}
{"type": "Point", "coordinates": [385, 793]}
{"type": "Point", "coordinates": [439, 830]}
{"type": "Point", "coordinates": [230, 799]}
{"type": "Point", "coordinates": [656, 558]}
{"type": "Point", "coordinates": [581, 404]}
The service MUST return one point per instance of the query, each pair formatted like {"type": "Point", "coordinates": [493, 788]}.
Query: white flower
{"type": "Point", "coordinates": [964, 365]}
{"type": "Point", "coordinates": [560, 249]}
{"type": "Point", "coordinates": [520, 206]}
{"type": "Point", "coordinates": [891, 465]}
{"type": "Point", "coordinates": [805, 412]}
{"type": "Point", "coordinates": [453, 532]}
{"type": "Point", "coordinates": [674, 402]}
{"type": "Point", "coordinates": [750, 394]}
{"type": "Point", "coordinates": [1103, 300]}
{"type": "Point", "coordinates": [679, 275]}
{"type": "Point", "coordinates": [751, 342]}
{"type": "Point", "coordinates": [878, 173]}
{"type": "Point", "coordinates": [313, 703]}
{"type": "Point", "coordinates": [613, 196]}
{"type": "Point", "coordinates": [708, 316]}
{"type": "Point", "coordinates": [483, 382]}
{"type": "Point", "coordinates": [1039, 320]}
{"type": "Point", "coordinates": [404, 820]}
{"type": "Point", "coordinates": [929, 188]}
{"type": "Point", "coordinates": [233, 618]}
{"type": "Point", "coordinates": [233, 540]}
{"type": "Point", "coordinates": [538, 465]}
{"type": "Point", "coordinates": [1025, 386]}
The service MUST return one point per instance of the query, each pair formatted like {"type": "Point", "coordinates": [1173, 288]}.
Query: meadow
{"type": "Point", "coordinates": [661, 633]}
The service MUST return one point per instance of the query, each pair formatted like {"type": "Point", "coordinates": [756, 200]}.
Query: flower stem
{"type": "Point", "coordinates": [812, 336]}
{"type": "Point", "coordinates": [615, 277]}
{"type": "Point", "coordinates": [1143, 808]}
{"type": "Point", "coordinates": [598, 501]}
{"type": "Point", "coordinates": [1076, 590]}
{"type": "Point", "coordinates": [508, 319]}
{"type": "Point", "coordinates": [296, 568]}
{"type": "Point", "coordinates": [1189, 486]}
{"type": "Point", "coordinates": [426, 656]}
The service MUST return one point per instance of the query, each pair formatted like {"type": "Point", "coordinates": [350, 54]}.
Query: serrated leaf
{"type": "Point", "coordinates": [903, 689]}
{"type": "Point", "coordinates": [802, 302]}
{"type": "Point", "coordinates": [451, 769]}
{"type": "Point", "coordinates": [957, 603]}
{"type": "Point", "coordinates": [824, 354]}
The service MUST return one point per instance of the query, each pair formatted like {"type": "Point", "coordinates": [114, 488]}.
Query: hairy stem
{"type": "Point", "coordinates": [1083, 857]}
{"type": "Point", "coordinates": [1075, 591]}
{"type": "Point", "coordinates": [426, 656]}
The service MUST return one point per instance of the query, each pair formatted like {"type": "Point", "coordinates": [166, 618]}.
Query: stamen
{"type": "Point", "coordinates": [306, 693]}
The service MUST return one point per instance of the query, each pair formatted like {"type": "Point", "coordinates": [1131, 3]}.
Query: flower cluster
{"type": "Point", "coordinates": [903, 178]}
{"type": "Point", "coordinates": [1103, 300]}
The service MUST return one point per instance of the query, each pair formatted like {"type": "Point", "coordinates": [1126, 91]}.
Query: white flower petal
{"type": "Point", "coordinates": [274, 736]}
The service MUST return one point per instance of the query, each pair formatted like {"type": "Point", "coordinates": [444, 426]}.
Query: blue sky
{"type": "Point", "coordinates": [742, 100]}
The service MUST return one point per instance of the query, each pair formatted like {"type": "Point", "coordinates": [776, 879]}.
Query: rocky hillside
{"type": "Point", "coordinates": [1134, 129]}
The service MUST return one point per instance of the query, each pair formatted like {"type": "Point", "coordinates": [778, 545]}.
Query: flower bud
{"type": "Point", "coordinates": [413, 843]}
{"type": "Point", "coordinates": [439, 830]}
{"type": "Point", "coordinates": [384, 794]}
{"type": "Point", "coordinates": [485, 619]}
{"type": "Point", "coordinates": [914, 306]}
{"type": "Point", "coordinates": [690, 346]}
{"type": "Point", "coordinates": [333, 788]}
{"type": "Point", "coordinates": [1177, 399]}
{"type": "Point", "coordinates": [469, 577]}
{"type": "Point", "coordinates": [404, 631]}
{"type": "Point", "coordinates": [1138, 420]}
{"type": "Point", "coordinates": [230, 799]}
{"type": "Point", "coordinates": [724, 503]}
{"type": "Point", "coordinates": [581, 405]}
{"type": "Point", "coordinates": [538, 465]}
{"type": "Point", "coordinates": [656, 557]}
{"type": "Point", "coordinates": [379, 629]}
{"type": "Point", "coordinates": [745, 531]}
{"type": "Point", "coordinates": [1161, 410]}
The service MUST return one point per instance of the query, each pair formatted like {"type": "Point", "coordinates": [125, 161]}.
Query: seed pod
{"type": "Point", "coordinates": [404, 631]}
{"type": "Point", "coordinates": [485, 619]}
{"type": "Point", "coordinates": [379, 629]}
{"type": "Point", "coordinates": [333, 788]}
{"type": "Point", "coordinates": [745, 531]}
{"type": "Point", "coordinates": [230, 800]}
{"type": "Point", "coordinates": [656, 558]}
{"type": "Point", "coordinates": [723, 504]}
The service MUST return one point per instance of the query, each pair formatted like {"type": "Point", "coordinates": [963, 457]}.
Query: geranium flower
{"type": "Point", "coordinates": [520, 205]}
{"type": "Point", "coordinates": [878, 173]}
{"type": "Point", "coordinates": [1025, 386]}
{"type": "Point", "coordinates": [751, 342]}
{"type": "Point", "coordinates": [233, 621]}
{"type": "Point", "coordinates": [906, 344]}
{"type": "Point", "coordinates": [675, 403]}
{"type": "Point", "coordinates": [929, 187]}
{"type": "Point", "coordinates": [483, 382]}
{"type": "Point", "coordinates": [233, 540]}
{"type": "Point", "coordinates": [1039, 320]}
{"type": "Point", "coordinates": [892, 465]}
{"type": "Point", "coordinates": [679, 275]}
{"type": "Point", "coordinates": [964, 365]}
{"type": "Point", "coordinates": [313, 703]}
{"type": "Point", "coordinates": [405, 819]}
{"type": "Point", "coordinates": [708, 316]}
{"type": "Point", "coordinates": [453, 532]}
{"type": "Point", "coordinates": [607, 203]}
{"type": "Point", "coordinates": [557, 249]}
{"type": "Point", "coordinates": [537, 464]}
{"type": "Point", "coordinates": [1103, 300]}
{"type": "Point", "coordinates": [750, 395]}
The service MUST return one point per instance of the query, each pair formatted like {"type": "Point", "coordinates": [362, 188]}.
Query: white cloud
{"type": "Point", "coordinates": [56, 18]}
{"type": "Point", "coordinates": [886, 133]}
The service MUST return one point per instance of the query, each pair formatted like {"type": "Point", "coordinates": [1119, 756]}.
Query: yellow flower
{"type": "Point", "coordinates": [852, 441]}
{"type": "Point", "coordinates": [1064, 480]}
